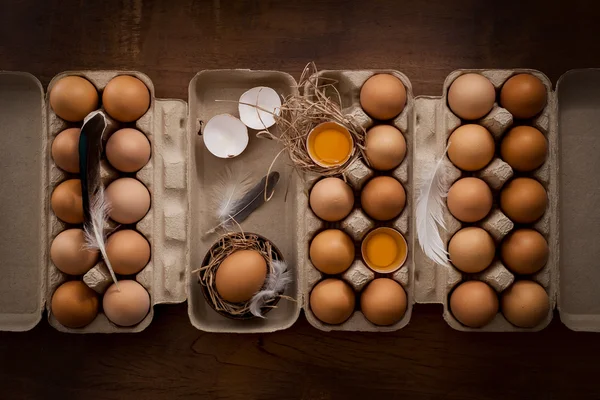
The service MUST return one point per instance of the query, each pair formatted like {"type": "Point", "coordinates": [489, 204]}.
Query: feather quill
{"type": "Point", "coordinates": [234, 202]}
{"type": "Point", "coordinates": [95, 204]}
{"type": "Point", "coordinates": [430, 214]}
{"type": "Point", "coordinates": [276, 283]}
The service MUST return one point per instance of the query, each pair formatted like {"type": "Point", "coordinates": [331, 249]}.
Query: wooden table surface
{"type": "Point", "coordinates": [171, 41]}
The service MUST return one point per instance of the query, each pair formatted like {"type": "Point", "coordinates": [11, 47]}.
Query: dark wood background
{"type": "Point", "coordinates": [171, 41]}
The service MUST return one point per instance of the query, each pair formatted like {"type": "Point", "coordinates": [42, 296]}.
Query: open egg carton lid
{"type": "Point", "coordinates": [573, 115]}
{"type": "Point", "coordinates": [25, 239]}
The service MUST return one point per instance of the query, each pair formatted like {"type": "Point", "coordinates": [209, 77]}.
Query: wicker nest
{"type": "Point", "coordinates": [224, 247]}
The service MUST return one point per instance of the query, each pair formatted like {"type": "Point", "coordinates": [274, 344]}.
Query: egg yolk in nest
{"type": "Point", "coordinates": [331, 147]}
{"type": "Point", "coordinates": [382, 250]}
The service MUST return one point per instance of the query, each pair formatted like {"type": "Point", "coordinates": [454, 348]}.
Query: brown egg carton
{"type": "Point", "coordinates": [357, 224]}
{"type": "Point", "coordinates": [165, 224]}
{"type": "Point", "coordinates": [434, 122]}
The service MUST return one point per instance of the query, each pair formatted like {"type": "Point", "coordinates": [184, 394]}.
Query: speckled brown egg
{"type": "Point", "coordinates": [332, 301]}
{"type": "Point", "coordinates": [471, 96]}
{"type": "Point", "coordinates": [471, 249]}
{"type": "Point", "coordinates": [383, 302]}
{"type": "Point", "coordinates": [523, 200]}
{"type": "Point", "coordinates": [65, 150]}
{"type": "Point", "coordinates": [471, 147]}
{"type": "Point", "coordinates": [524, 148]}
{"type": "Point", "coordinates": [69, 254]}
{"type": "Point", "coordinates": [383, 96]}
{"type": "Point", "coordinates": [469, 199]}
{"type": "Point", "coordinates": [523, 95]}
{"type": "Point", "coordinates": [126, 98]}
{"type": "Point", "coordinates": [74, 304]}
{"type": "Point", "coordinates": [474, 304]}
{"type": "Point", "coordinates": [525, 251]}
{"type": "Point", "coordinates": [383, 198]}
{"type": "Point", "coordinates": [385, 147]}
{"type": "Point", "coordinates": [73, 97]}
{"type": "Point", "coordinates": [331, 199]}
{"type": "Point", "coordinates": [129, 200]}
{"type": "Point", "coordinates": [332, 251]}
{"type": "Point", "coordinates": [525, 304]}
{"type": "Point", "coordinates": [67, 203]}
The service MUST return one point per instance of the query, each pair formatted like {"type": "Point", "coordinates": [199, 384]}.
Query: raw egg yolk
{"type": "Point", "coordinates": [382, 250]}
{"type": "Point", "coordinates": [331, 146]}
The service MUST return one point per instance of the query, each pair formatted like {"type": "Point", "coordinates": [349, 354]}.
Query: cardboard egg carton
{"type": "Point", "coordinates": [181, 172]}
{"type": "Point", "coordinates": [357, 224]}
{"type": "Point", "coordinates": [164, 226]}
{"type": "Point", "coordinates": [435, 122]}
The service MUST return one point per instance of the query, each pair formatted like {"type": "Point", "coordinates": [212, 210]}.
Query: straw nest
{"type": "Point", "coordinates": [224, 247]}
{"type": "Point", "coordinates": [318, 100]}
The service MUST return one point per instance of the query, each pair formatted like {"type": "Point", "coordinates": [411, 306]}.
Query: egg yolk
{"type": "Point", "coordinates": [331, 147]}
{"type": "Point", "coordinates": [382, 250]}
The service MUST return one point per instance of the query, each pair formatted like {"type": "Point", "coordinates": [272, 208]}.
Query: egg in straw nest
{"type": "Point", "coordinates": [243, 276]}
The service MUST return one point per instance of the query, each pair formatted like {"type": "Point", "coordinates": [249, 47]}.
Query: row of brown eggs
{"type": "Point", "coordinates": [524, 200]}
{"type": "Point", "coordinates": [74, 304]}
{"type": "Point", "coordinates": [383, 301]}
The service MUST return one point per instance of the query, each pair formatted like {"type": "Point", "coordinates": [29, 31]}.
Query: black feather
{"type": "Point", "coordinates": [90, 152]}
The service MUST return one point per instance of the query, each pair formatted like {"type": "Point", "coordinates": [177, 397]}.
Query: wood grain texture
{"type": "Point", "coordinates": [171, 41]}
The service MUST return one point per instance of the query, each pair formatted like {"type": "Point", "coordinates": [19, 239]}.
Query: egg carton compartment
{"type": "Point", "coordinates": [275, 220]}
{"type": "Point", "coordinates": [434, 124]}
{"type": "Point", "coordinates": [165, 224]}
{"type": "Point", "coordinates": [357, 224]}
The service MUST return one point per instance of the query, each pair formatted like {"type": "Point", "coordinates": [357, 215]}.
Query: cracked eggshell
{"type": "Point", "coordinates": [268, 105]}
{"type": "Point", "coordinates": [225, 136]}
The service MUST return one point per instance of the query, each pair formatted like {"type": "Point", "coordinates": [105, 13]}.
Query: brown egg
{"type": "Point", "coordinates": [385, 147]}
{"type": "Point", "coordinates": [126, 305]}
{"type": "Point", "coordinates": [474, 304]}
{"type": "Point", "coordinates": [524, 148]}
{"type": "Point", "coordinates": [525, 304]}
{"type": "Point", "coordinates": [471, 147]}
{"type": "Point", "coordinates": [525, 251]}
{"type": "Point", "coordinates": [332, 301]}
{"type": "Point", "coordinates": [383, 302]}
{"type": "Point", "coordinates": [72, 98]}
{"type": "Point", "coordinates": [332, 251]}
{"type": "Point", "coordinates": [469, 199]}
{"type": "Point", "coordinates": [331, 199]}
{"type": "Point", "coordinates": [128, 150]}
{"type": "Point", "coordinates": [129, 200]}
{"type": "Point", "coordinates": [126, 98]}
{"type": "Point", "coordinates": [128, 251]}
{"type": "Point", "coordinates": [471, 249]}
{"type": "Point", "coordinates": [523, 200]}
{"type": "Point", "coordinates": [65, 150]}
{"type": "Point", "coordinates": [69, 254]}
{"type": "Point", "coordinates": [471, 96]}
{"type": "Point", "coordinates": [383, 96]}
{"type": "Point", "coordinates": [74, 305]}
{"type": "Point", "coordinates": [241, 275]}
{"type": "Point", "coordinates": [523, 95]}
{"type": "Point", "coordinates": [67, 203]}
{"type": "Point", "coordinates": [383, 198]}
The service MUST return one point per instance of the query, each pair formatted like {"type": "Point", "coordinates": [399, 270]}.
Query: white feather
{"type": "Point", "coordinates": [231, 186]}
{"type": "Point", "coordinates": [276, 283]}
{"type": "Point", "coordinates": [430, 214]}
{"type": "Point", "coordinates": [95, 236]}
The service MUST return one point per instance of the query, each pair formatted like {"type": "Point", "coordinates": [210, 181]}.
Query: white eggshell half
{"type": "Point", "coordinates": [264, 98]}
{"type": "Point", "coordinates": [225, 136]}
